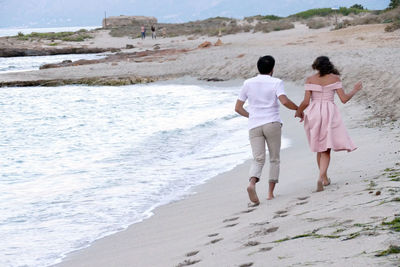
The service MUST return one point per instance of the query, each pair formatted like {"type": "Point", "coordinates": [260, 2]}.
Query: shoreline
{"type": "Point", "coordinates": [361, 52]}
{"type": "Point", "coordinates": [218, 229]}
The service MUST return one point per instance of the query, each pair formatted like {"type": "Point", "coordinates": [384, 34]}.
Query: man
{"type": "Point", "coordinates": [263, 92]}
{"type": "Point", "coordinates": [153, 32]}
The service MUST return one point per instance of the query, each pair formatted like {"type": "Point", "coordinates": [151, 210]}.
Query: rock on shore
{"type": "Point", "coordinates": [21, 52]}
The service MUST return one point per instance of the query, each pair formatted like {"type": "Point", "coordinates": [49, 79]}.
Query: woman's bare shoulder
{"type": "Point", "coordinates": [335, 77]}
{"type": "Point", "coordinates": [311, 78]}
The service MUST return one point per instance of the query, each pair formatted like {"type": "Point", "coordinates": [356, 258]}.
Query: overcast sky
{"type": "Point", "coordinates": [50, 13]}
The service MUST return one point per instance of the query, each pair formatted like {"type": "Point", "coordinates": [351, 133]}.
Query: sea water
{"type": "Point", "coordinates": [14, 31]}
{"type": "Point", "coordinates": [14, 64]}
{"type": "Point", "coordinates": [78, 163]}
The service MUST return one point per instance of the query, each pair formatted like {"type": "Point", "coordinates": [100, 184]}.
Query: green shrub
{"type": "Point", "coordinates": [323, 12]}
{"type": "Point", "coordinates": [394, 4]}
{"type": "Point", "coordinates": [78, 36]}
{"type": "Point", "coordinates": [317, 23]}
{"type": "Point", "coordinates": [357, 6]}
{"type": "Point", "coordinates": [392, 27]}
{"type": "Point", "coordinates": [271, 17]}
{"type": "Point", "coordinates": [278, 25]}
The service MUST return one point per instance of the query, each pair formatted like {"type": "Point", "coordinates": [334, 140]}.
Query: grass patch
{"type": "Point", "coordinates": [339, 230]}
{"type": "Point", "coordinates": [371, 185]}
{"type": "Point", "coordinates": [273, 26]}
{"type": "Point", "coordinates": [323, 12]}
{"type": "Point", "coordinates": [390, 250]}
{"type": "Point", "coordinates": [394, 225]}
{"type": "Point", "coordinates": [270, 17]}
{"type": "Point", "coordinates": [78, 36]}
{"type": "Point", "coordinates": [281, 240]}
{"type": "Point", "coordinates": [351, 236]}
{"type": "Point", "coordinates": [313, 235]}
{"type": "Point", "coordinates": [317, 23]}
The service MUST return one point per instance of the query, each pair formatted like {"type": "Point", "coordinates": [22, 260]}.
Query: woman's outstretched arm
{"type": "Point", "coordinates": [346, 97]}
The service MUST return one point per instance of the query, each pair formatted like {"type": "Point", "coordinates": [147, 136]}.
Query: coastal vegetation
{"type": "Point", "coordinates": [313, 18]}
{"type": "Point", "coordinates": [78, 36]}
{"type": "Point", "coordinates": [323, 12]}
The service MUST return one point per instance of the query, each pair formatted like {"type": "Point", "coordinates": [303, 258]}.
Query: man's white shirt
{"type": "Point", "coordinates": [262, 93]}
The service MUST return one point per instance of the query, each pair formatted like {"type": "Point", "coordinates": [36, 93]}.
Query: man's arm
{"type": "Point", "coordinates": [287, 102]}
{"type": "Point", "coordinates": [240, 109]}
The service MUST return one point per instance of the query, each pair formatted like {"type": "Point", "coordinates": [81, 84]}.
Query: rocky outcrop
{"type": "Point", "coordinates": [22, 52]}
{"type": "Point", "coordinates": [218, 43]}
{"type": "Point", "coordinates": [121, 21]}
{"type": "Point", "coordinates": [205, 44]}
{"type": "Point", "coordinates": [142, 56]}
{"type": "Point", "coordinates": [95, 81]}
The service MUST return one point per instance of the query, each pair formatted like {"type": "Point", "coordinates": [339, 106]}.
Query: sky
{"type": "Point", "coordinates": [58, 13]}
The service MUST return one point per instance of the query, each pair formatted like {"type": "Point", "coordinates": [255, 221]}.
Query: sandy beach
{"type": "Point", "coordinates": [341, 226]}
{"type": "Point", "coordinates": [345, 225]}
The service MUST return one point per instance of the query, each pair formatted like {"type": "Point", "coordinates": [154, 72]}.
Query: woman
{"type": "Point", "coordinates": [322, 121]}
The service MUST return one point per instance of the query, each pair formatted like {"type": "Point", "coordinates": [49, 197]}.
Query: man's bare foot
{"type": "Point", "coordinates": [320, 186]}
{"type": "Point", "coordinates": [251, 190]}
{"type": "Point", "coordinates": [270, 197]}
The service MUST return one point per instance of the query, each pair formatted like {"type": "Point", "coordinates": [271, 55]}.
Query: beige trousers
{"type": "Point", "coordinates": [269, 133]}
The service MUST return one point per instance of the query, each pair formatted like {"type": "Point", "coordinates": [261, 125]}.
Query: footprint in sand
{"type": "Point", "coordinates": [264, 231]}
{"type": "Point", "coordinates": [248, 211]}
{"type": "Point", "coordinates": [302, 203]}
{"type": "Point", "coordinates": [280, 213]}
{"type": "Point", "coordinates": [302, 198]}
{"type": "Point", "coordinates": [214, 241]}
{"type": "Point", "coordinates": [260, 223]}
{"type": "Point", "coordinates": [231, 225]}
{"type": "Point", "coordinates": [230, 220]}
{"type": "Point", "coordinates": [187, 263]}
{"type": "Point", "coordinates": [212, 235]}
{"type": "Point", "coordinates": [260, 250]}
{"type": "Point", "coordinates": [192, 253]}
{"type": "Point", "coordinates": [265, 249]}
{"type": "Point", "coordinates": [252, 244]}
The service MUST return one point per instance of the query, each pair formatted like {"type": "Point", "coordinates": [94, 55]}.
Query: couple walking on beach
{"type": "Point", "coordinates": [323, 125]}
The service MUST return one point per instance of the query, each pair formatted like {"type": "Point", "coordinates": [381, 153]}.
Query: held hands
{"type": "Point", "coordinates": [299, 115]}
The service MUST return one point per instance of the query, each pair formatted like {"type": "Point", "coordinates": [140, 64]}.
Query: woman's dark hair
{"type": "Point", "coordinates": [324, 66]}
{"type": "Point", "coordinates": [265, 64]}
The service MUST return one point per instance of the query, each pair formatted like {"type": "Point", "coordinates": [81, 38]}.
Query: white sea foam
{"type": "Point", "coordinates": [78, 163]}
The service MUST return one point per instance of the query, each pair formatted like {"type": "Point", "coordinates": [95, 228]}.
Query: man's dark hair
{"type": "Point", "coordinates": [265, 64]}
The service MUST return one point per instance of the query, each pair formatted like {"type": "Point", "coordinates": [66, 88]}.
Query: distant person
{"type": "Point", "coordinates": [153, 32]}
{"type": "Point", "coordinates": [265, 125]}
{"type": "Point", "coordinates": [322, 121]}
{"type": "Point", "coordinates": [143, 32]}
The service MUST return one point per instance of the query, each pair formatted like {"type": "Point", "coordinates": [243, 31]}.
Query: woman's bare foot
{"type": "Point", "coordinates": [326, 181]}
{"type": "Point", "coordinates": [320, 186]}
{"type": "Point", "coordinates": [251, 190]}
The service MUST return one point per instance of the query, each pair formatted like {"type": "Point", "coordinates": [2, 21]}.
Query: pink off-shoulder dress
{"type": "Point", "coordinates": [322, 121]}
